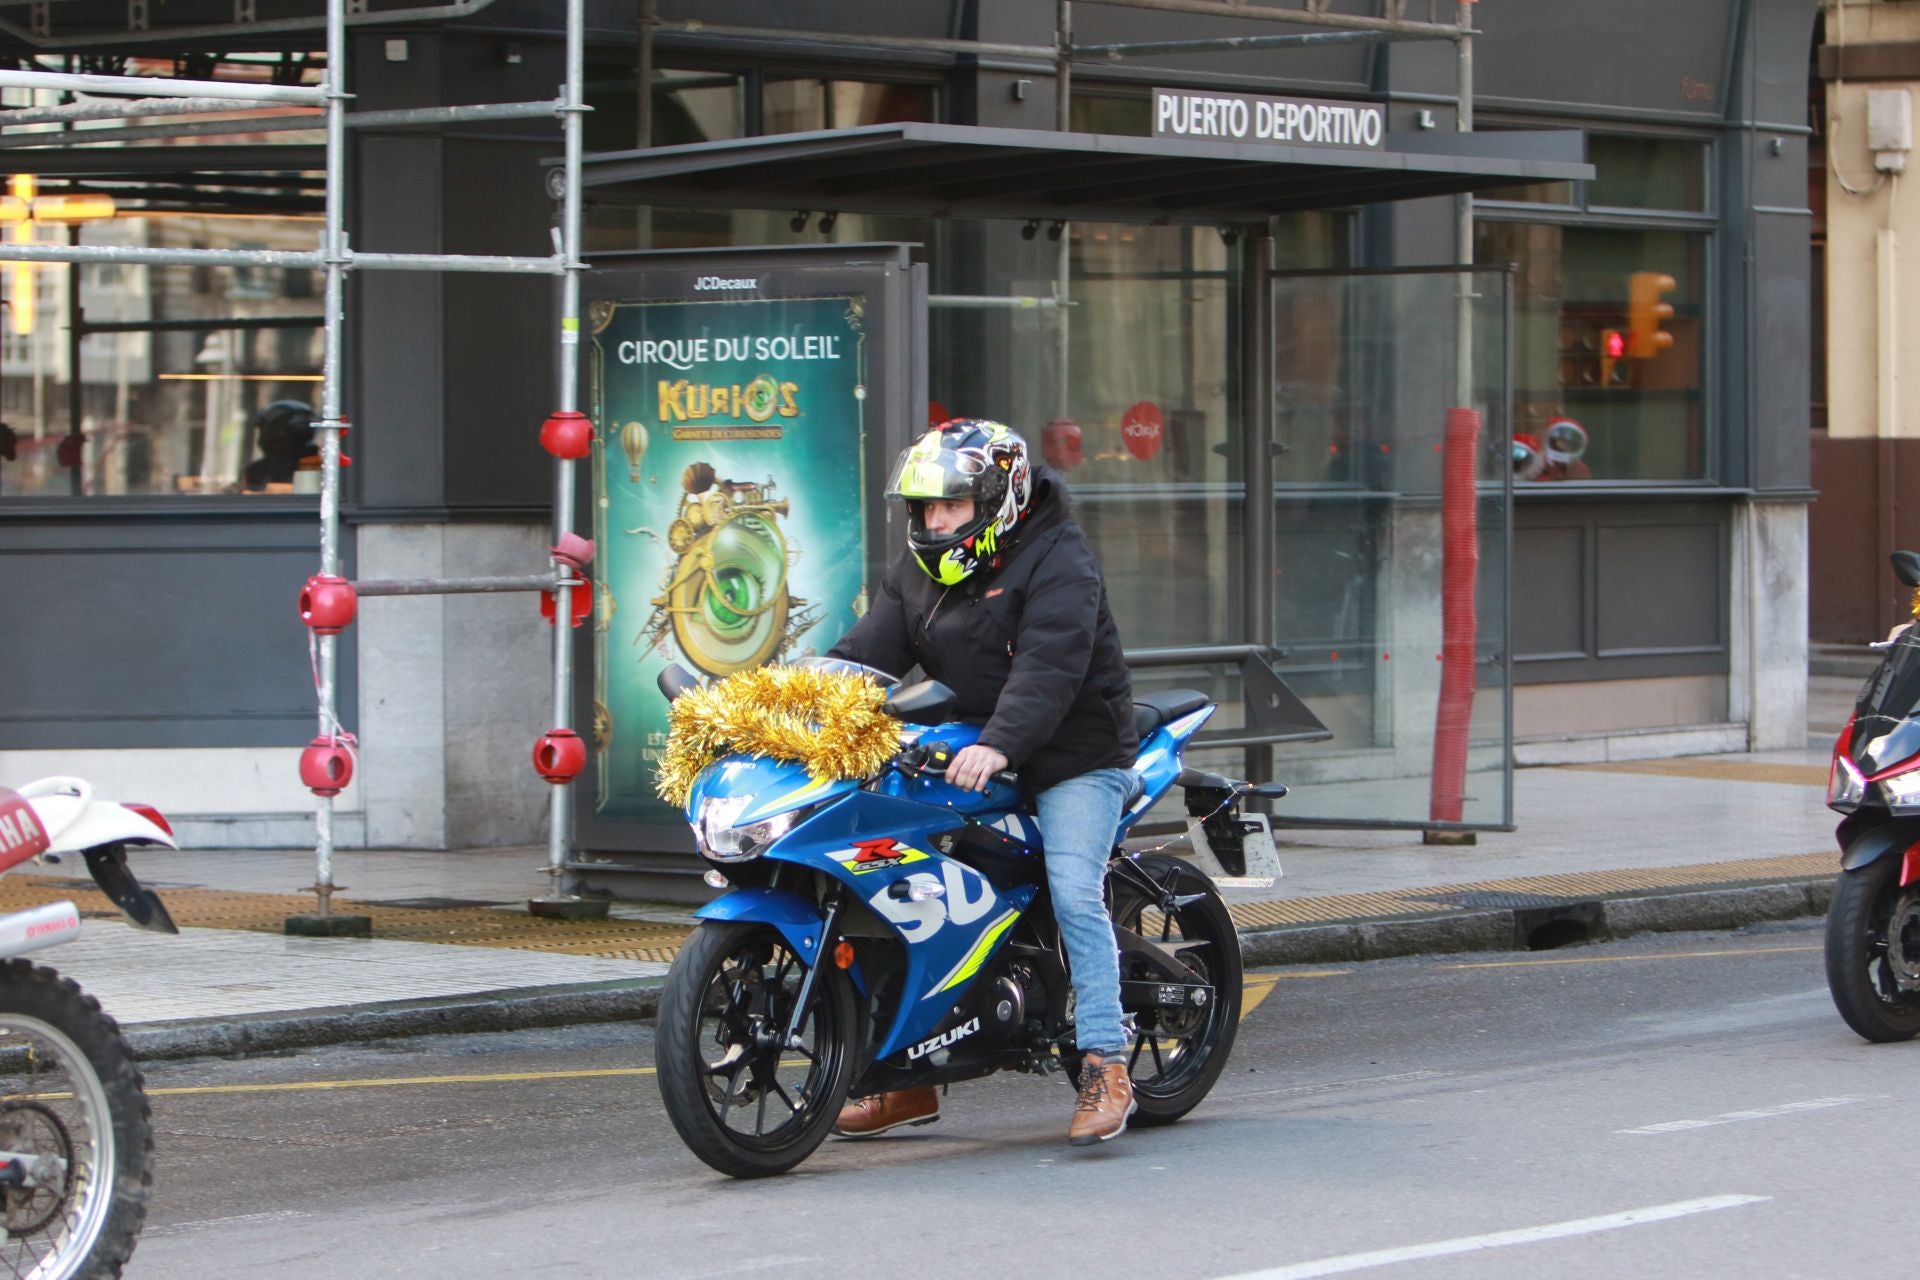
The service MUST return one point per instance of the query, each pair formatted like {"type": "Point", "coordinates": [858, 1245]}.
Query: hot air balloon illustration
{"type": "Point", "coordinates": [633, 441]}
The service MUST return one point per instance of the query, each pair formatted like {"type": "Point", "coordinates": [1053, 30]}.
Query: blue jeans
{"type": "Point", "coordinates": [1078, 821]}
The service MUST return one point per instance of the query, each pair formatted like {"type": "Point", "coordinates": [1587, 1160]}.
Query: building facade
{"type": "Point", "coordinates": [1658, 541]}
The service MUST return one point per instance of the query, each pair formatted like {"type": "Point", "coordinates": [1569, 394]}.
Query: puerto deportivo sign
{"type": "Point", "coordinates": [1246, 117]}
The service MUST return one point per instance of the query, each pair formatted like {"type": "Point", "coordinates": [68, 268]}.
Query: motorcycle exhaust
{"type": "Point", "coordinates": [41, 927]}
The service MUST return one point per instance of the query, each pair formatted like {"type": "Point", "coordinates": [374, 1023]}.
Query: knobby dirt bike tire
{"type": "Point", "coordinates": [33, 1001]}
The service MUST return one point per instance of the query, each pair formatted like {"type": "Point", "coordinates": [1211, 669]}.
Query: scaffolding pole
{"type": "Point", "coordinates": [333, 248]}
{"type": "Point", "coordinates": [559, 810]}
{"type": "Point", "coordinates": [304, 95]}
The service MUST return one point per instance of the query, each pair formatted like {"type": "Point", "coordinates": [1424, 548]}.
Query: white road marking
{"type": "Point", "coordinates": [241, 1219]}
{"type": "Point", "coordinates": [1730, 1117]}
{"type": "Point", "coordinates": [1499, 1239]}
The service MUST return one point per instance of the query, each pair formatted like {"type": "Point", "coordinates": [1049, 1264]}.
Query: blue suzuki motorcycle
{"type": "Point", "coordinates": [896, 931]}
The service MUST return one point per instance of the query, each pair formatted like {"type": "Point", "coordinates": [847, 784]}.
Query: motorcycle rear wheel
{"type": "Point", "coordinates": [1178, 1055]}
{"type": "Point", "coordinates": [741, 1102]}
{"type": "Point", "coordinates": [70, 1095]}
{"type": "Point", "coordinates": [1873, 936]}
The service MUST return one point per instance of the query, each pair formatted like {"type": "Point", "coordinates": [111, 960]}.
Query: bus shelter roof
{"type": "Point", "coordinates": [946, 170]}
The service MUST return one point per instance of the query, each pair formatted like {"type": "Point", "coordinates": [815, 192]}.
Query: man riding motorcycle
{"type": "Point", "coordinates": [998, 596]}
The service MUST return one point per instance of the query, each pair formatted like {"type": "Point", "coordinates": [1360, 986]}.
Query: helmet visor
{"type": "Point", "coordinates": [1567, 439]}
{"type": "Point", "coordinates": [929, 469]}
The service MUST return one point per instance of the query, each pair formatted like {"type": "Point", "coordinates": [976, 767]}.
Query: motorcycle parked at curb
{"type": "Point", "coordinates": [896, 931]}
{"type": "Point", "coordinates": [76, 1139]}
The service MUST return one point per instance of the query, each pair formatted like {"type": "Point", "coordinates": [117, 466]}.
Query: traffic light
{"type": "Point", "coordinates": [1613, 349]}
{"type": "Point", "coordinates": [1646, 312]}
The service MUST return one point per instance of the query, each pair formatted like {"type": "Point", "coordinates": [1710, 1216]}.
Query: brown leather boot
{"type": "Point", "coordinates": [1106, 1101]}
{"type": "Point", "coordinates": [868, 1117]}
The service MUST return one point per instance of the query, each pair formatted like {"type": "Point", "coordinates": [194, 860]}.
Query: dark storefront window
{"type": "Point", "coordinates": [801, 106]}
{"type": "Point", "coordinates": [1647, 173]}
{"type": "Point", "coordinates": [1143, 415]}
{"type": "Point", "coordinates": [1610, 353]}
{"type": "Point", "coordinates": [208, 410]}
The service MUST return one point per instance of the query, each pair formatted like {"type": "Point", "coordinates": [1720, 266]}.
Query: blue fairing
{"type": "Point", "coordinates": [797, 919]}
{"type": "Point", "coordinates": [780, 785]}
{"type": "Point", "coordinates": [1159, 763]}
{"type": "Point", "coordinates": [872, 841]}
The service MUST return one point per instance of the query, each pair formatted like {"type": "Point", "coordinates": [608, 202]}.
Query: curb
{"type": "Point", "coordinates": [1549, 925]}
{"type": "Point", "coordinates": [1537, 928]}
{"type": "Point", "coordinates": [508, 1010]}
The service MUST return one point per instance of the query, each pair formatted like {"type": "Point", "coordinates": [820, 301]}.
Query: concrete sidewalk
{"type": "Point", "coordinates": [1600, 850]}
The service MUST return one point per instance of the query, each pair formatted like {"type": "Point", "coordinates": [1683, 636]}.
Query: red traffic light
{"type": "Point", "coordinates": [1614, 344]}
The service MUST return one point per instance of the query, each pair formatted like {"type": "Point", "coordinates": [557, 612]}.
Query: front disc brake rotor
{"type": "Point", "coordinates": [1903, 941]}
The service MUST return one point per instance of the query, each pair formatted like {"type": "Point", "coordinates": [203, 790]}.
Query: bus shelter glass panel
{"type": "Point", "coordinates": [1123, 382]}
{"type": "Point", "coordinates": [1390, 570]}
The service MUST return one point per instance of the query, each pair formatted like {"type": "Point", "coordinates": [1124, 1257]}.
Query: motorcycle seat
{"type": "Point", "coordinates": [1156, 709]}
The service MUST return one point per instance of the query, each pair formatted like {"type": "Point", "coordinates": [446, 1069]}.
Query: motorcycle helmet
{"type": "Point", "coordinates": [1566, 441]}
{"type": "Point", "coordinates": [1526, 456]}
{"type": "Point", "coordinates": [969, 458]}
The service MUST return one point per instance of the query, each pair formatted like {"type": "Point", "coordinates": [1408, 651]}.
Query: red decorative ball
{"type": "Point", "coordinates": [326, 767]}
{"type": "Point", "coordinates": [579, 602]}
{"type": "Point", "coordinates": [559, 756]}
{"type": "Point", "coordinates": [567, 433]}
{"type": "Point", "coordinates": [328, 603]}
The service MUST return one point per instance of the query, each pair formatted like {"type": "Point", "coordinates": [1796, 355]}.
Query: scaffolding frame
{"type": "Point", "coordinates": [189, 97]}
{"type": "Point", "coordinates": [186, 97]}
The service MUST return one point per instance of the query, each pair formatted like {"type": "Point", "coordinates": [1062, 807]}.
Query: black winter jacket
{"type": "Point", "coordinates": [1029, 647]}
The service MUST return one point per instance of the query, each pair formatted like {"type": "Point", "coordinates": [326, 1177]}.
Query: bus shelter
{"type": "Point", "coordinates": [1299, 483]}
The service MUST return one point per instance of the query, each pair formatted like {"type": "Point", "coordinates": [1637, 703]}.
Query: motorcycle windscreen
{"type": "Point", "coordinates": [1885, 731]}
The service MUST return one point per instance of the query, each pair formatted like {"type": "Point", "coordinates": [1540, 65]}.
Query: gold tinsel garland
{"type": "Point", "coordinates": [832, 722]}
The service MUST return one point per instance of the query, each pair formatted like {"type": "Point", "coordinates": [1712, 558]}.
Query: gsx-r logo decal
{"type": "Point", "coordinates": [877, 855]}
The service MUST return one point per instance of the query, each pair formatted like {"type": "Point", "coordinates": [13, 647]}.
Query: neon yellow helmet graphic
{"type": "Point", "coordinates": [967, 459]}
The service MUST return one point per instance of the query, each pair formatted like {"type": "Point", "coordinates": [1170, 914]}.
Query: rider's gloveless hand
{"type": "Point", "coordinates": [973, 766]}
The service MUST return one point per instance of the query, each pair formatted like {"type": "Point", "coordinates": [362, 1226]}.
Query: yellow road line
{"type": "Point", "coordinates": [1663, 955]}
{"type": "Point", "coordinates": [1257, 987]}
{"type": "Point", "coordinates": [505, 1077]}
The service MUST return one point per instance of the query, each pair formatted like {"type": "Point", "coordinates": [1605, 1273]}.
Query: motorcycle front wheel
{"type": "Point", "coordinates": [1873, 951]}
{"type": "Point", "coordinates": [744, 1102]}
{"type": "Point", "coordinates": [1177, 1054]}
{"type": "Point", "coordinates": [76, 1137]}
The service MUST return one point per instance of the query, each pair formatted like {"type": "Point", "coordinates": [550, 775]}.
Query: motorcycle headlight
{"type": "Point", "coordinates": [1902, 789]}
{"type": "Point", "coordinates": [721, 841]}
{"type": "Point", "coordinates": [1846, 788]}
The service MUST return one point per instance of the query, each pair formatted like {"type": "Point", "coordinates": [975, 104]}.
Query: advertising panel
{"type": "Point", "coordinates": [734, 448]}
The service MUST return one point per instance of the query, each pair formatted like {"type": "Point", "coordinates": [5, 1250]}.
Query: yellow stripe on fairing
{"type": "Point", "coordinates": [978, 956]}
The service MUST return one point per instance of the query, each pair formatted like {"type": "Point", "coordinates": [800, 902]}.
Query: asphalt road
{"type": "Point", "coordinates": [1673, 1105]}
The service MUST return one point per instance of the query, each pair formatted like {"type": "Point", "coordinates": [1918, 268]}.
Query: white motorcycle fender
{"type": "Point", "coordinates": [103, 822]}
{"type": "Point", "coordinates": [74, 820]}
{"type": "Point", "coordinates": [26, 931]}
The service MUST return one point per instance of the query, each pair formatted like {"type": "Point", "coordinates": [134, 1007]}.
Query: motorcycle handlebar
{"type": "Point", "coordinates": [914, 760]}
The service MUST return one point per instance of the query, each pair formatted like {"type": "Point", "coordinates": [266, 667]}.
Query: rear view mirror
{"type": "Point", "coordinates": [927, 702]}
{"type": "Point", "coordinates": [676, 680]}
{"type": "Point", "coordinates": [1906, 567]}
